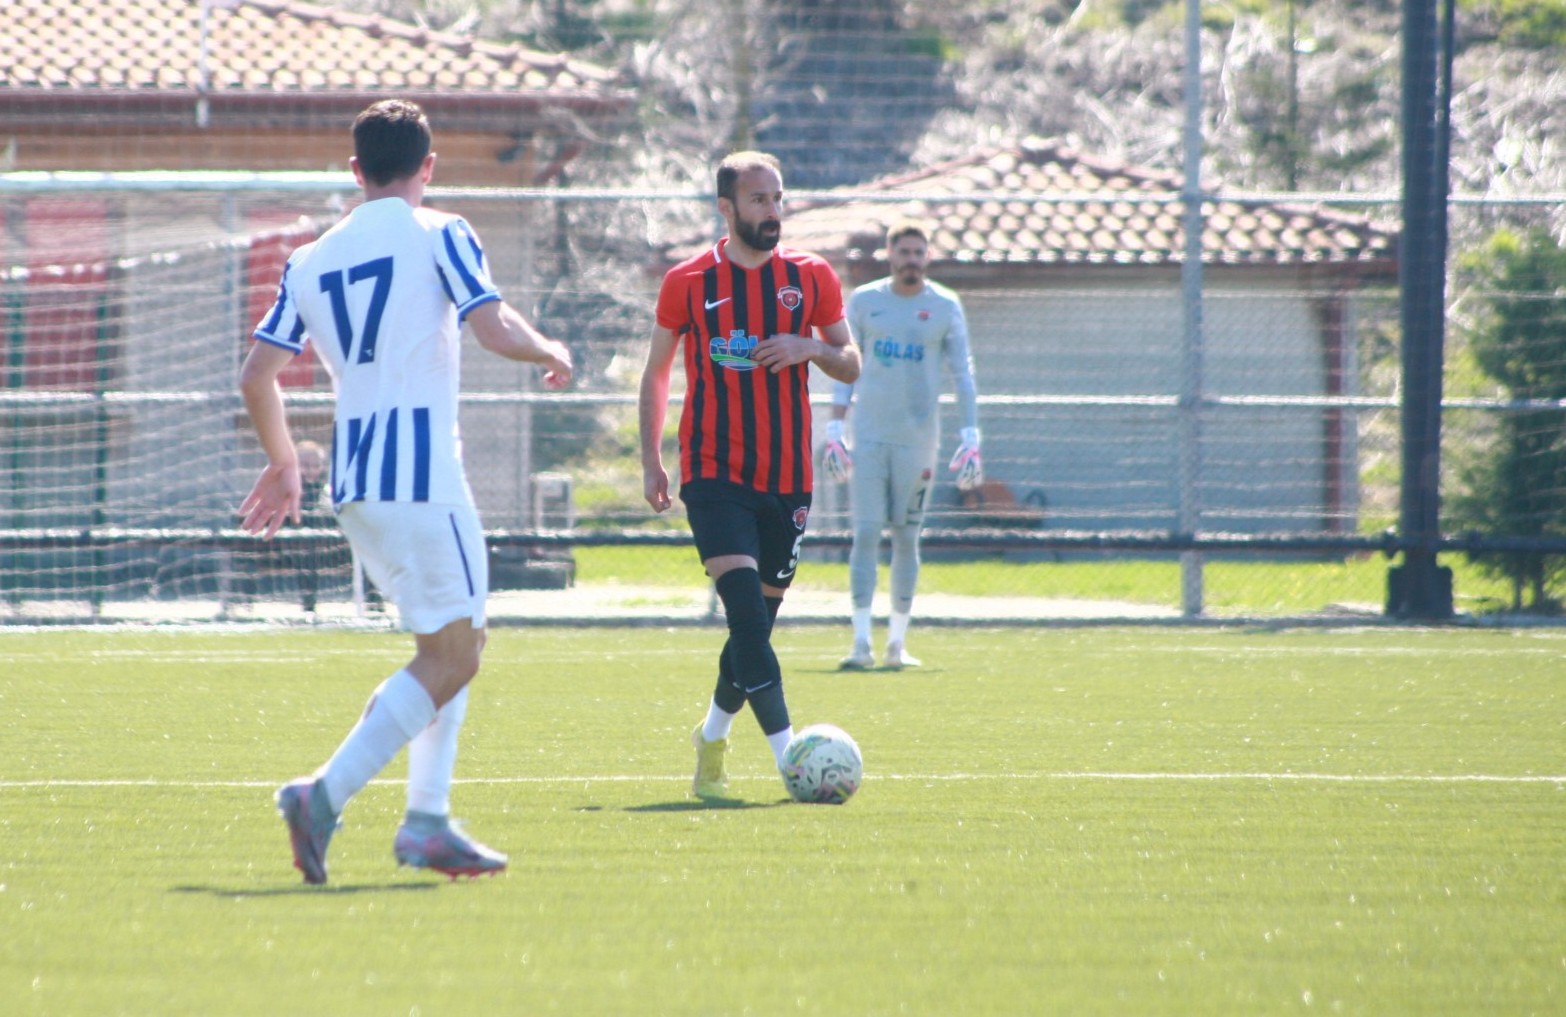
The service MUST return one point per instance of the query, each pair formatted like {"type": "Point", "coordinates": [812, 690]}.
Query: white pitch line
{"type": "Point", "coordinates": [1064, 775]}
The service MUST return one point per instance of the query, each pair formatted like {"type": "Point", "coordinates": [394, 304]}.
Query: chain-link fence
{"type": "Point", "coordinates": [126, 451]}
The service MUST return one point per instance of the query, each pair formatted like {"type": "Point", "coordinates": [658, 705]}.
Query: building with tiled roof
{"type": "Point", "coordinates": [271, 84]}
{"type": "Point", "coordinates": [91, 272]}
{"type": "Point", "coordinates": [984, 210]}
{"type": "Point", "coordinates": [1070, 271]}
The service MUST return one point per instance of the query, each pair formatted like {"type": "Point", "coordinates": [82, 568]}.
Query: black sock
{"type": "Point", "coordinates": [727, 694]}
{"type": "Point", "coordinates": [753, 665]}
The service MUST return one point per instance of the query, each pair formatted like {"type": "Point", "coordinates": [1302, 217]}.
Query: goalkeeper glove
{"type": "Point", "coordinates": [966, 463]}
{"type": "Point", "coordinates": [835, 461]}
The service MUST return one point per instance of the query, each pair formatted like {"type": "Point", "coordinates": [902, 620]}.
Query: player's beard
{"type": "Point", "coordinates": [910, 275]}
{"type": "Point", "coordinates": [762, 236]}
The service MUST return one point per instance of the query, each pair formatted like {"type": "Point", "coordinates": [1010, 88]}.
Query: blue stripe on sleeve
{"type": "Point", "coordinates": [445, 284]}
{"type": "Point", "coordinates": [468, 279]}
{"type": "Point", "coordinates": [281, 344]}
{"type": "Point", "coordinates": [282, 327]}
{"type": "Point", "coordinates": [467, 308]}
{"type": "Point", "coordinates": [272, 321]}
{"type": "Point", "coordinates": [478, 252]}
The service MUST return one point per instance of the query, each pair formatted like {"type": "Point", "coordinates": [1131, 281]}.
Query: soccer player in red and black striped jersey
{"type": "Point", "coordinates": [750, 318]}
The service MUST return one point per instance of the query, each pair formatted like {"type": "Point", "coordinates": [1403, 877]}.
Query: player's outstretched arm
{"type": "Point", "coordinates": [501, 329]}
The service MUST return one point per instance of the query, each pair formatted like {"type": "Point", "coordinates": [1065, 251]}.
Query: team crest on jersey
{"type": "Point", "coordinates": [800, 515]}
{"type": "Point", "coordinates": [924, 315]}
{"type": "Point", "coordinates": [791, 297]}
{"type": "Point", "coordinates": [734, 351]}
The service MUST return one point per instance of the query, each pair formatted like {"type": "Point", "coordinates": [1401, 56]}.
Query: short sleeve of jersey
{"type": "Point", "coordinates": [673, 301]}
{"type": "Point", "coordinates": [282, 325]}
{"type": "Point", "coordinates": [829, 294]}
{"type": "Point", "coordinates": [463, 271]}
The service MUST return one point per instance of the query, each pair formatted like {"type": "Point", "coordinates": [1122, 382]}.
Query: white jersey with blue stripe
{"type": "Point", "coordinates": [381, 297]}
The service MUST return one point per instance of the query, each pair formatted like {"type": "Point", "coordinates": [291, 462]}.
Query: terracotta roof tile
{"type": "Point", "coordinates": [1098, 223]}
{"type": "Point", "coordinates": [261, 46]}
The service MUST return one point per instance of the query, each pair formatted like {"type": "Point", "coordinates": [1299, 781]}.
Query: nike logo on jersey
{"type": "Point", "coordinates": [710, 304]}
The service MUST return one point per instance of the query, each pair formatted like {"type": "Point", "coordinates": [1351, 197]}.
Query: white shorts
{"type": "Point", "coordinates": [890, 484]}
{"type": "Point", "coordinates": [428, 559]}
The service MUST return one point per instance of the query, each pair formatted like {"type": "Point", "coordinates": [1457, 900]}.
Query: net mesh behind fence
{"type": "Point", "coordinates": [126, 316]}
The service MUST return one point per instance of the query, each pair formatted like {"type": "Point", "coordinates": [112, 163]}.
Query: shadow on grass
{"type": "Point", "coordinates": [303, 888]}
{"type": "Point", "coordinates": [878, 671]}
{"type": "Point", "coordinates": [709, 804]}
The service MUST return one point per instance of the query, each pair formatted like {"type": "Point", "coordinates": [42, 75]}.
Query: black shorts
{"type": "Point", "coordinates": [727, 519]}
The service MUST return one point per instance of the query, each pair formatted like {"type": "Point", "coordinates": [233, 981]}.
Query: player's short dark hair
{"type": "Point", "coordinates": [906, 228]}
{"type": "Point", "coordinates": [391, 139]}
{"type": "Point", "coordinates": [733, 165]}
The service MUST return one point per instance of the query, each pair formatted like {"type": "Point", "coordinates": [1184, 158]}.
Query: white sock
{"type": "Point", "coordinates": [432, 758]}
{"type": "Point", "coordinates": [899, 627]}
{"type": "Point", "coordinates": [718, 724]}
{"type": "Point", "coordinates": [780, 741]}
{"type": "Point", "coordinates": [861, 626]}
{"type": "Point", "coordinates": [397, 711]}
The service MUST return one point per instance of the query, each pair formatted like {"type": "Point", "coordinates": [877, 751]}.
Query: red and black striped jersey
{"type": "Point", "coordinates": [741, 422]}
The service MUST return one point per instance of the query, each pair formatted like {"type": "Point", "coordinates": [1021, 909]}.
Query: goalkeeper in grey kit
{"type": "Point", "coordinates": [906, 326]}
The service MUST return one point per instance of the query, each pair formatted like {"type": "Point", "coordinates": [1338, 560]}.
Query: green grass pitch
{"type": "Point", "coordinates": [1056, 821]}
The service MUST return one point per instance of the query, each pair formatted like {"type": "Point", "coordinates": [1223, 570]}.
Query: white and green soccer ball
{"type": "Point", "coordinates": [822, 764]}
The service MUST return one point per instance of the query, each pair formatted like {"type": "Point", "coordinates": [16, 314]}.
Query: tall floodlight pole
{"type": "Point", "coordinates": [1190, 408]}
{"type": "Point", "coordinates": [1420, 588]}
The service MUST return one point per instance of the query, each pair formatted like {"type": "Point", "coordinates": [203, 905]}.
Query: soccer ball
{"type": "Point", "coordinates": [822, 764]}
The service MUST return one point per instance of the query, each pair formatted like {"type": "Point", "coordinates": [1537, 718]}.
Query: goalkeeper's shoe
{"type": "Point", "coordinates": [861, 659]}
{"type": "Point", "coordinates": [429, 841]}
{"type": "Point", "coordinates": [712, 779]}
{"type": "Point", "coordinates": [311, 823]}
{"type": "Point", "coordinates": [898, 658]}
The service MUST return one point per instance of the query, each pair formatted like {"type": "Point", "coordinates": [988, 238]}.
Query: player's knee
{"type": "Point", "coordinates": [744, 606]}
{"type": "Point", "coordinates": [456, 670]}
{"type": "Point", "coordinates": [466, 666]}
{"type": "Point", "coordinates": [754, 665]}
{"type": "Point", "coordinates": [446, 661]}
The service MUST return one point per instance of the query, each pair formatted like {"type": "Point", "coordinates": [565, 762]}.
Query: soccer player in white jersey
{"type": "Point", "coordinates": [907, 327]}
{"type": "Point", "coordinates": [381, 296]}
